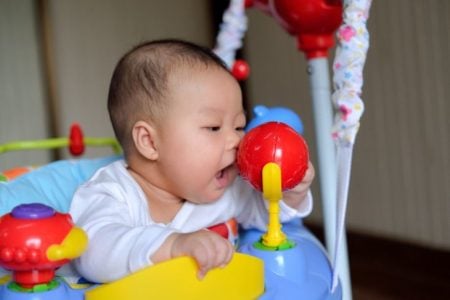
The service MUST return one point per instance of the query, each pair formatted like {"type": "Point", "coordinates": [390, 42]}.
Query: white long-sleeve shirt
{"type": "Point", "coordinates": [112, 209]}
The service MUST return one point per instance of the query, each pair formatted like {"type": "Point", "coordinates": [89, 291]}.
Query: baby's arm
{"type": "Point", "coordinates": [209, 249]}
{"type": "Point", "coordinates": [118, 243]}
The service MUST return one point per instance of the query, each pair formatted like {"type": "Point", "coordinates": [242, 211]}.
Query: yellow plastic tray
{"type": "Point", "coordinates": [243, 278]}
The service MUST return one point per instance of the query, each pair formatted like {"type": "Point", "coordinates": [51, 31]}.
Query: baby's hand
{"type": "Point", "coordinates": [209, 249]}
{"type": "Point", "coordinates": [296, 195]}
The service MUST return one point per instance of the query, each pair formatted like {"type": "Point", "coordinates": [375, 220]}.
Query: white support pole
{"type": "Point", "coordinates": [327, 169]}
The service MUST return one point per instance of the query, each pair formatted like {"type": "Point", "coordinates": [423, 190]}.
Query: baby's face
{"type": "Point", "coordinates": [200, 133]}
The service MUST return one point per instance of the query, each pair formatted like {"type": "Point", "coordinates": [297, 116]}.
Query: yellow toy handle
{"type": "Point", "coordinates": [271, 185]}
{"type": "Point", "coordinates": [72, 246]}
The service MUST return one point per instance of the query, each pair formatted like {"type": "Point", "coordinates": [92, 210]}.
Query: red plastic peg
{"type": "Point", "coordinates": [76, 141]}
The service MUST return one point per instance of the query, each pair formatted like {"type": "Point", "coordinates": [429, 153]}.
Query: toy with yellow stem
{"type": "Point", "coordinates": [273, 157]}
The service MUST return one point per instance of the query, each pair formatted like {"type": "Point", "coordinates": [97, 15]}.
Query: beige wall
{"type": "Point", "coordinates": [401, 170]}
{"type": "Point", "coordinates": [85, 40]}
{"type": "Point", "coordinates": [22, 97]}
{"type": "Point", "coordinates": [90, 36]}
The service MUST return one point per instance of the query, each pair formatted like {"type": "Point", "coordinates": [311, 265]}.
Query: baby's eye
{"type": "Point", "coordinates": [241, 128]}
{"type": "Point", "coordinates": [213, 128]}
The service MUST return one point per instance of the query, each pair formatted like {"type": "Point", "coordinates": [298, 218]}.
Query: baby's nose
{"type": "Point", "coordinates": [234, 139]}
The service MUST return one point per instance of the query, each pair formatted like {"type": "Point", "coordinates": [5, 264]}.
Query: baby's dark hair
{"type": "Point", "coordinates": [139, 83]}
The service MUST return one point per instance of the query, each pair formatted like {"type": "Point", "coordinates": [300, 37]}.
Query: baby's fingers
{"type": "Point", "coordinates": [204, 261]}
{"type": "Point", "coordinates": [225, 251]}
{"type": "Point", "coordinates": [217, 253]}
{"type": "Point", "coordinates": [310, 173]}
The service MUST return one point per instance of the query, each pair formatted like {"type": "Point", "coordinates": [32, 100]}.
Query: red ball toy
{"type": "Point", "coordinates": [273, 142]}
{"type": "Point", "coordinates": [240, 70]}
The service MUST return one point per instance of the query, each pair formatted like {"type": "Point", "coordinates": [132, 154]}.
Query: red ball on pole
{"type": "Point", "coordinates": [313, 22]}
{"type": "Point", "coordinates": [273, 142]}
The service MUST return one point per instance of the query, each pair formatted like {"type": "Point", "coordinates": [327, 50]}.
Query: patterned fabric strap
{"type": "Point", "coordinates": [232, 31]}
{"type": "Point", "coordinates": [353, 41]}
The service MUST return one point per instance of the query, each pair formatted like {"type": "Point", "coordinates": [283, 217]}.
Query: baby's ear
{"type": "Point", "coordinates": [144, 140]}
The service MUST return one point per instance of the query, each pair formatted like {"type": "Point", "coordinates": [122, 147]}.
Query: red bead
{"type": "Point", "coordinates": [240, 70]}
{"type": "Point", "coordinates": [6, 254]}
{"type": "Point", "coordinates": [34, 256]}
{"type": "Point", "coordinates": [19, 255]}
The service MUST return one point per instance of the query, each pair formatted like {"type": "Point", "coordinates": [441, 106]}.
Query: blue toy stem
{"type": "Point", "coordinates": [323, 117]}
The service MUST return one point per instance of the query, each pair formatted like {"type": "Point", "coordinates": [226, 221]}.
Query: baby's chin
{"type": "Point", "coordinates": [212, 196]}
{"type": "Point", "coordinates": [208, 199]}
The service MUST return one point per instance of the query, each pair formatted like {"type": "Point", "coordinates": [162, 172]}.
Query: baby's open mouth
{"type": "Point", "coordinates": [220, 174]}
{"type": "Point", "coordinates": [223, 172]}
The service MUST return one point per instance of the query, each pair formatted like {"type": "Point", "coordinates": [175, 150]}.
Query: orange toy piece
{"type": "Point", "coordinates": [13, 173]}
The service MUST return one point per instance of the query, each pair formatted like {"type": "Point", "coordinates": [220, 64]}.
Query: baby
{"type": "Point", "coordinates": [177, 112]}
